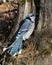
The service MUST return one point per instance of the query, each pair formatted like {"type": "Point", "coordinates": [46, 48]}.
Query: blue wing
{"type": "Point", "coordinates": [24, 28]}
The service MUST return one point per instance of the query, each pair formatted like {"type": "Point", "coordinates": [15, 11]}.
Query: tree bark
{"type": "Point", "coordinates": [27, 7]}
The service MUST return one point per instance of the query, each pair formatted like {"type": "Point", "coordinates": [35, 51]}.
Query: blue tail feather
{"type": "Point", "coordinates": [16, 46]}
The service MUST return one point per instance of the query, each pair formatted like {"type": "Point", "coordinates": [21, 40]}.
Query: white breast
{"type": "Point", "coordinates": [27, 35]}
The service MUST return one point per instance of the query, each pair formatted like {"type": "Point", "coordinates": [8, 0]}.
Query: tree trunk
{"type": "Point", "coordinates": [27, 7]}
{"type": "Point", "coordinates": [46, 13]}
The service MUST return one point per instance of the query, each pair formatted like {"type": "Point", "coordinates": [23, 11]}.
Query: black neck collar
{"type": "Point", "coordinates": [30, 19]}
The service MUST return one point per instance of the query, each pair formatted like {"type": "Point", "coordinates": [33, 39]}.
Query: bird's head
{"type": "Point", "coordinates": [31, 16]}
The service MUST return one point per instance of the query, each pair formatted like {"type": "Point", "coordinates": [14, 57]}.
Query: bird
{"type": "Point", "coordinates": [25, 31]}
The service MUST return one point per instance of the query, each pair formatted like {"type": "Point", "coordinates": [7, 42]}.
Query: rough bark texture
{"type": "Point", "coordinates": [27, 7]}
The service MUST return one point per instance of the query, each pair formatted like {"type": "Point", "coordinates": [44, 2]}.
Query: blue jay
{"type": "Point", "coordinates": [24, 33]}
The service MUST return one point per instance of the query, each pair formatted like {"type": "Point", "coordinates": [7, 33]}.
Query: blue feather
{"type": "Point", "coordinates": [16, 46]}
